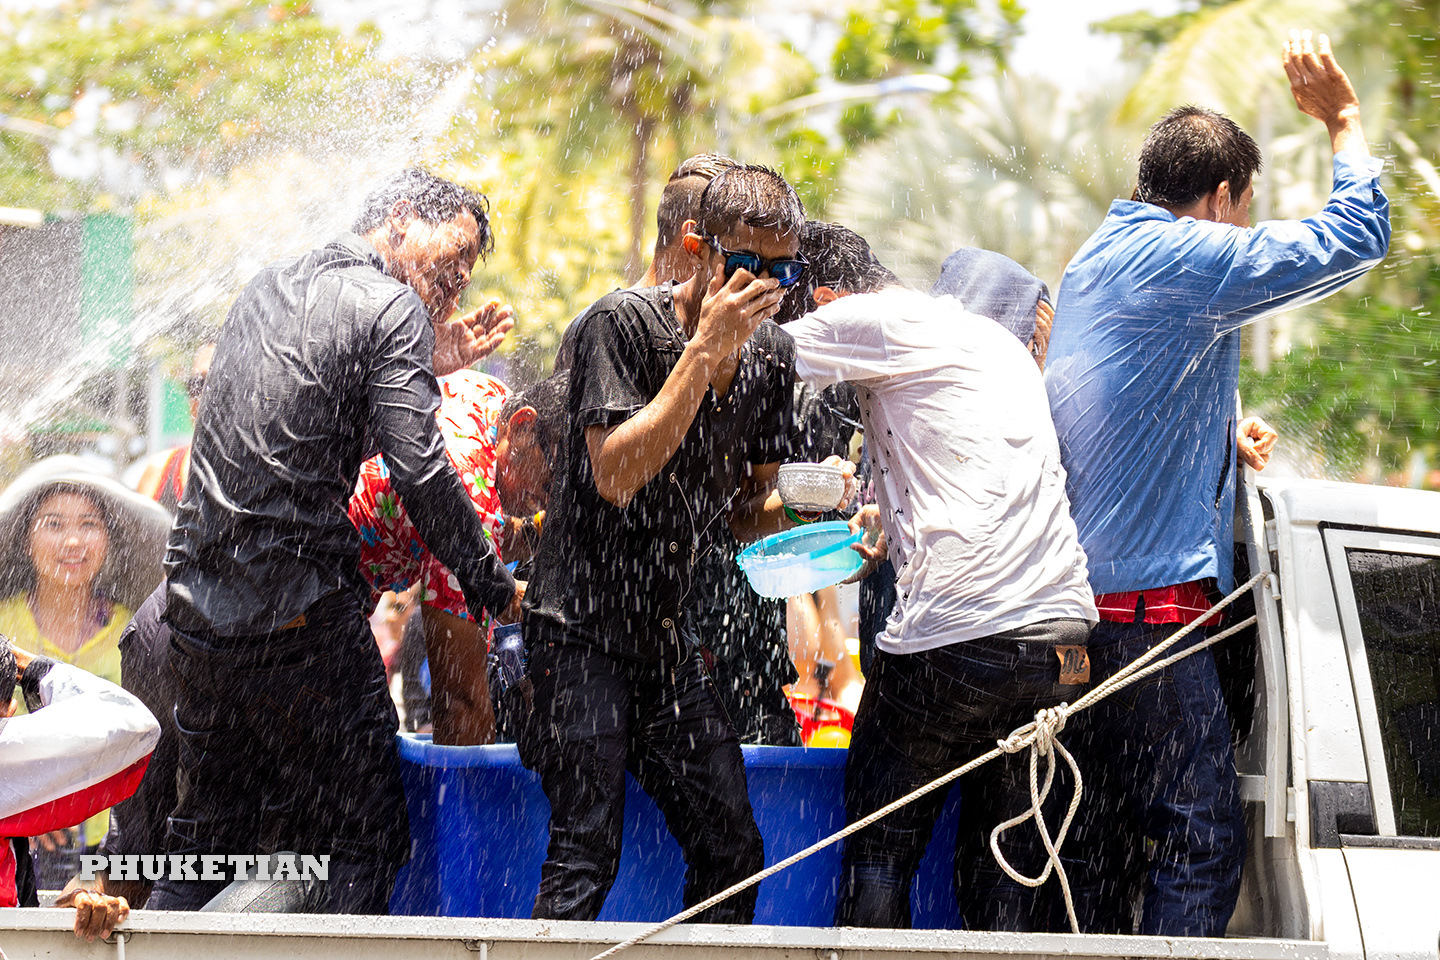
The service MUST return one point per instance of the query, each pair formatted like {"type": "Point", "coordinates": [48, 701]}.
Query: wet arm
{"type": "Point", "coordinates": [628, 455]}
{"type": "Point", "coordinates": [404, 396]}
{"type": "Point", "coordinates": [758, 511]}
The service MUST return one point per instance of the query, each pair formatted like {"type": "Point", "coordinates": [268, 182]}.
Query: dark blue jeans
{"type": "Point", "coordinates": [922, 715]}
{"type": "Point", "coordinates": [1158, 765]}
{"type": "Point", "coordinates": [596, 716]}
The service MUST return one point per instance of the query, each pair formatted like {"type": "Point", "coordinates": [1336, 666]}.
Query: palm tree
{"type": "Point", "coordinates": [1017, 170]}
{"type": "Point", "coordinates": [626, 78]}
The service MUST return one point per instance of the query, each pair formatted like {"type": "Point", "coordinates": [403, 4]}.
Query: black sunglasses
{"type": "Point", "coordinates": [787, 272]}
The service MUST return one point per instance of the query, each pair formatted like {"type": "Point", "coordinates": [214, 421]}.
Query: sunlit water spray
{"type": "Point", "coordinates": [198, 243]}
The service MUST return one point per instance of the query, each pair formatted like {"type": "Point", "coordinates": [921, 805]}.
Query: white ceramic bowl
{"type": "Point", "coordinates": [811, 486]}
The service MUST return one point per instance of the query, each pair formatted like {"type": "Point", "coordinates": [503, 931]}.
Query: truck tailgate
{"type": "Point", "coordinates": [151, 935]}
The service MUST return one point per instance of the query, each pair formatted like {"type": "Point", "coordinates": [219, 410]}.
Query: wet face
{"type": "Point", "coordinates": [765, 242]}
{"type": "Point", "coordinates": [68, 540]}
{"type": "Point", "coordinates": [434, 258]}
{"type": "Point", "coordinates": [522, 474]}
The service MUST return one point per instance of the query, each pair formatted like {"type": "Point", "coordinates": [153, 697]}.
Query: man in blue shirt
{"type": "Point", "coordinates": [1143, 368]}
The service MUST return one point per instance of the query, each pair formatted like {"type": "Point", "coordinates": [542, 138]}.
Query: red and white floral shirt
{"type": "Point", "coordinates": [392, 555]}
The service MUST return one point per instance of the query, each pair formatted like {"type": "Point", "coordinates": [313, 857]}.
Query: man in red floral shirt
{"type": "Point", "coordinates": [502, 445]}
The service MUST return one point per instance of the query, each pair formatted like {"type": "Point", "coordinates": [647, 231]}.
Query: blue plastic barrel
{"type": "Point", "coordinates": [479, 827]}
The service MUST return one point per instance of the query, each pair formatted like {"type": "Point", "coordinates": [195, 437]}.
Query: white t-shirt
{"type": "Point", "coordinates": [966, 465]}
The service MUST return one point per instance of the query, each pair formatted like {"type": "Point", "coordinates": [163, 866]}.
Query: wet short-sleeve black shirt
{"type": "Point", "coordinates": [616, 577]}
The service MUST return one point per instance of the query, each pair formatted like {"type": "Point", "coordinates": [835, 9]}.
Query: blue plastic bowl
{"type": "Point", "coordinates": [801, 560]}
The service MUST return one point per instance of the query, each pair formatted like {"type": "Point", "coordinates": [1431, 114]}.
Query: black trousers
{"type": "Point", "coordinates": [596, 716]}
{"type": "Point", "coordinates": [287, 743]}
{"type": "Point", "coordinates": [922, 715]}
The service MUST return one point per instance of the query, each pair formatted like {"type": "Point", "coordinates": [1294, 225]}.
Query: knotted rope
{"type": "Point", "coordinates": [1039, 735]}
{"type": "Point", "coordinates": [1042, 742]}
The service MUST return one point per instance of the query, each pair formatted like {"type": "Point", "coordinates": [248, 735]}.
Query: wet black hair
{"type": "Point", "coordinates": [436, 200]}
{"type": "Point", "coordinates": [750, 194]}
{"type": "Point", "coordinates": [1189, 152]}
{"type": "Point", "coordinates": [839, 258]}
{"type": "Point", "coordinates": [680, 200]}
{"type": "Point", "coordinates": [549, 397]}
{"type": "Point", "coordinates": [7, 671]}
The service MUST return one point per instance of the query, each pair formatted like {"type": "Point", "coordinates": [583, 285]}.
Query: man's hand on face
{"type": "Point", "coordinates": [1321, 89]}
{"type": "Point", "coordinates": [732, 309]}
{"type": "Point", "coordinates": [461, 341]}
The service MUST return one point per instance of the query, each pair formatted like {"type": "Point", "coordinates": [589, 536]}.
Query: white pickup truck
{"type": "Point", "coordinates": [1340, 768]}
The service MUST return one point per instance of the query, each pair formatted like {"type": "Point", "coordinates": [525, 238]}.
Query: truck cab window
{"type": "Point", "coordinates": [1397, 596]}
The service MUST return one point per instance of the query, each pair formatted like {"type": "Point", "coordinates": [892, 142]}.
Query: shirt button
{"type": "Point", "coordinates": [674, 546]}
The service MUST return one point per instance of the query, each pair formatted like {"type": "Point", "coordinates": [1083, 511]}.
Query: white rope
{"type": "Point", "coordinates": [1039, 736]}
{"type": "Point", "coordinates": [1048, 723]}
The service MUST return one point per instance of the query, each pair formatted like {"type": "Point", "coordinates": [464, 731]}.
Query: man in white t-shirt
{"type": "Point", "coordinates": [992, 594]}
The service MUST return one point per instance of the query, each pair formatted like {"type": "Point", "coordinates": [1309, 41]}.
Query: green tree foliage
{"type": "Point", "coordinates": [107, 101]}
{"type": "Point", "coordinates": [248, 130]}
{"type": "Point", "coordinates": [620, 91]}
{"type": "Point", "coordinates": [1361, 398]}
{"type": "Point", "coordinates": [1146, 33]}
{"type": "Point", "coordinates": [880, 44]}
{"type": "Point", "coordinates": [586, 105]}
{"type": "Point", "coordinates": [1023, 170]}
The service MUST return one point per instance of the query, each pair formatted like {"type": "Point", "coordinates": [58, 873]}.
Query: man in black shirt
{"type": "Point", "coordinates": [282, 707]}
{"type": "Point", "coordinates": [741, 634]}
{"type": "Point", "coordinates": [680, 405]}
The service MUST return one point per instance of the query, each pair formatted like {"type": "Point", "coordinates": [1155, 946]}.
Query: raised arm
{"type": "Point", "coordinates": [403, 399]}
{"type": "Point", "coordinates": [1301, 261]}
{"type": "Point", "coordinates": [1322, 90]}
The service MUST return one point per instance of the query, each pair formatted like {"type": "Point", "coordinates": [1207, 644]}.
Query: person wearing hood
{"type": "Point", "coordinates": [991, 285]}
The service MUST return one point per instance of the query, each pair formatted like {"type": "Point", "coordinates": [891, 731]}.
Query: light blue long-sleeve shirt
{"type": "Point", "coordinates": [1145, 360]}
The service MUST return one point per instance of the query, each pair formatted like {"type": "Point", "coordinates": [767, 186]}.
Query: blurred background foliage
{"type": "Point", "coordinates": [235, 132]}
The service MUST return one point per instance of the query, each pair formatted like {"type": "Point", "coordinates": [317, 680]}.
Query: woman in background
{"type": "Point", "coordinates": [78, 552]}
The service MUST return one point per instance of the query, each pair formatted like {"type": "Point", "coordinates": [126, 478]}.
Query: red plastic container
{"type": "Point", "coordinates": [815, 715]}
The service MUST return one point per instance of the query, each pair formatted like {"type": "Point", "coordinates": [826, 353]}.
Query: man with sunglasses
{"type": "Point", "coordinates": [680, 405]}
{"type": "Point", "coordinates": [742, 633]}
